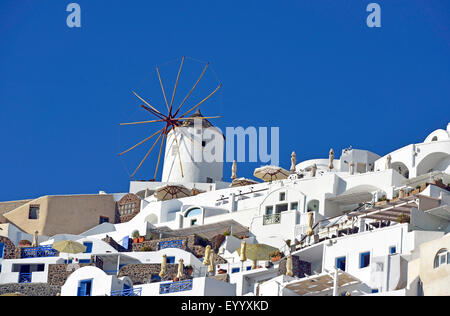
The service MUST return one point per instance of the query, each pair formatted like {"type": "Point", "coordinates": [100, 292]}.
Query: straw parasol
{"type": "Point", "coordinates": [331, 158]}
{"type": "Point", "coordinates": [255, 252]}
{"type": "Point", "coordinates": [35, 239]}
{"type": "Point", "coordinates": [234, 170]}
{"type": "Point", "coordinates": [211, 262]}
{"type": "Point", "coordinates": [206, 259]}
{"type": "Point", "coordinates": [69, 246]}
{"type": "Point", "coordinates": [169, 192]}
{"type": "Point", "coordinates": [289, 266]}
{"type": "Point", "coordinates": [163, 266]}
{"type": "Point", "coordinates": [293, 162]}
{"type": "Point", "coordinates": [240, 182]}
{"type": "Point", "coordinates": [310, 231]}
{"type": "Point", "coordinates": [180, 273]}
{"type": "Point", "coordinates": [271, 173]}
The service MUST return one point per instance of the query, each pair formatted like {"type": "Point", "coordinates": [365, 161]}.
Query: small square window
{"type": "Point", "coordinates": [294, 206]}
{"type": "Point", "coordinates": [103, 219]}
{"type": "Point", "coordinates": [282, 196]}
{"type": "Point", "coordinates": [203, 143]}
{"type": "Point", "coordinates": [33, 212]}
{"type": "Point", "coordinates": [364, 260]}
{"type": "Point", "coordinates": [193, 222]}
{"type": "Point", "coordinates": [235, 270]}
{"type": "Point", "coordinates": [170, 259]}
{"type": "Point", "coordinates": [392, 250]}
{"type": "Point", "coordinates": [341, 263]}
{"type": "Point", "coordinates": [269, 210]}
{"type": "Point", "coordinates": [249, 268]}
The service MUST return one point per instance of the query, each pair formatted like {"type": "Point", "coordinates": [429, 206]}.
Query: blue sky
{"type": "Point", "coordinates": [312, 68]}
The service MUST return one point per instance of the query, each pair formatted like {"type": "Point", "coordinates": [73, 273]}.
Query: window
{"type": "Point", "coordinates": [209, 180]}
{"type": "Point", "coordinates": [88, 245]}
{"type": "Point", "coordinates": [281, 208]}
{"type": "Point", "coordinates": [269, 210]}
{"type": "Point", "coordinates": [2, 250]}
{"type": "Point", "coordinates": [33, 212]}
{"type": "Point", "coordinates": [392, 250]}
{"type": "Point", "coordinates": [341, 263]}
{"type": "Point", "coordinates": [85, 288]}
{"type": "Point", "coordinates": [374, 291]}
{"type": "Point", "coordinates": [282, 196]}
{"type": "Point", "coordinates": [364, 260]}
{"type": "Point", "coordinates": [442, 257]}
{"type": "Point", "coordinates": [193, 212]}
{"type": "Point", "coordinates": [170, 259]}
{"type": "Point", "coordinates": [103, 219]}
{"type": "Point", "coordinates": [193, 222]}
{"type": "Point", "coordinates": [235, 270]}
{"type": "Point", "coordinates": [203, 143]}
{"type": "Point", "coordinates": [84, 261]}
{"type": "Point", "coordinates": [434, 139]}
{"type": "Point", "coordinates": [155, 278]}
{"type": "Point", "coordinates": [249, 268]}
{"type": "Point", "coordinates": [294, 206]}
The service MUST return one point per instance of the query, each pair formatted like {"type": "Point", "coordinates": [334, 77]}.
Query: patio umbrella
{"type": "Point", "coordinates": [163, 266]}
{"type": "Point", "coordinates": [69, 246]}
{"type": "Point", "coordinates": [331, 158]}
{"type": "Point", "coordinates": [206, 259]}
{"type": "Point", "coordinates": [271, 173]}
{"type": "Point", "coordinates": [169, 192]}
{"type": "Point", "coordinates": [310, 230]}
{"type": "Point", "coordinates": [289, 266]}
{"type": "Point", "coordinates": [211, 262]}
{"type": "Point", "coordinates": [35, 239]}
{"type": "Point", "coordinates": [234, 170]}
{"type": "Point", "coordinates": [240, 182]}
{"type": "Point", "coordinates": [256, 252]}
{"type": "Point", "coordinates": [242, 251]}
{"type": "Point", "coordinates": [180, 273]}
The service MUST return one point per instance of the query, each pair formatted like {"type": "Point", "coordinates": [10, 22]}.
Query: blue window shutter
{"type": "Point", "coordinates": [88, 247]}
{"type": "Point", "coordinates": [2, 249]}
{"type": "Point", "coordinates": [170, 259]}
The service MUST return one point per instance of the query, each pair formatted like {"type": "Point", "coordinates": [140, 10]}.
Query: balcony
{"type": "Point", "coordinates": [41, 251]}
{"type": "Point", "coordinates": [178, 243]}
{"type": "Point", "coordinates": [173, 287]}
{"type": "Point", "coordinates": [128, 292]}
{"type": "Point", "coordinates": [272, 219]}
{"type": "Point", "coordinates": [24, 278]}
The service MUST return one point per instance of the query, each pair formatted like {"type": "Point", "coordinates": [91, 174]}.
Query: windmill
{"type": "Point", "coordinates": [175, 116]}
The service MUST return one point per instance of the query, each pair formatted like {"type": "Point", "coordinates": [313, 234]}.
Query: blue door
{"type": "Point", "coordinates": [85, 288]}
{"type": "Point", "coordinates": [2, 249]}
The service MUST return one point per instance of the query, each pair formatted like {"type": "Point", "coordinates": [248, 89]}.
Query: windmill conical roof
{"type": "Point", "coordinates": [189, 123]}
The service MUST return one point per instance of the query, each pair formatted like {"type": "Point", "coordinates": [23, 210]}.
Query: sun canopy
{"type": "Point", "coordinates": [169, 192]}
{"type": "Point", "coordinates": [240, 182]}
{"type": "Point", "coordinates": [271, 173]}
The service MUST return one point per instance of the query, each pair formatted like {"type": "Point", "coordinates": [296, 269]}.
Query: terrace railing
{"type": "Point", "coordinates": [24, 278]}
{"type": "Point", "coordinates": [178, 243]}
{"type": "Point", "coordinates": [41, 251]}
{"type": "Point", "coordinates": [128, 292]}
{"type": "Point", "coordinates": [173, 287]}
{"type": "Point", "coordinates": [272, 219]}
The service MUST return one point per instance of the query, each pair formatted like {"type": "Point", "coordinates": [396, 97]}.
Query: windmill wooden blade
{"type": "Point", "coordinates": [160, 150]}
{"type": "Point", "coordinates": [162, 87]}
{"type": "Point", "coordinates": [142, 122]}
{"type": "Point", "coordinates": [146, 103]}
{"type": "Point", "coordinates": [176, 84]}
{"type": "Point", "coordinates": [148, 153]}
{"type": "Point", "coordinates": [179, 155]}
{"type": "Point", "coordinates": [152, 111]}
{"type": "Point", "coordinates": [196, 106]}
{"type": "Point", "coordinates": [187, 96]}
{"type": "Point", "coordinates": [197, 117]}
{"type": "Point", "coordinates": [140, 143]}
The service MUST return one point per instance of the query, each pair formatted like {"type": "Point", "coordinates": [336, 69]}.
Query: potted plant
{"type": "Point", "coordinates": [402, 218]}
{"type": "Point", "coordinates": [189, 270]}
{"type": "Point", "coordinates": [382, 200]}
{"type": "Point", "coordinates": [175, 279]}
{"type": "Point", "coordinates": [226, 233]}
{"type": "Point", "coordinates": [221, 271]}
{"type": "Point", "coordinates": [275, 256]}
{"type": "Point", "coordinates": [141, 238]}
{"type": "Point", "coordinates": [135, 237]}
{"type": "Point", "coordinates": [24, 243]}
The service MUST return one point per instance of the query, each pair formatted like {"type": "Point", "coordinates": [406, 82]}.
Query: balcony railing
{"type": "Point", "coordinates": [128, 292]}
{"type": "Point", "coordinates": [178, 243]}
{"type": "Point", "coordinates": [24, 278]}
{"type": "Point", "coordinates": [272, 219]}
{"type": "Point", "coordinates": [41, 251]}
{"type": "Point", "coordinates": [173, 287]}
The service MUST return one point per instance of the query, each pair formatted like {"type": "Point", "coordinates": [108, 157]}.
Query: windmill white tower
{"type": "Point", "coordinates": [194, 139]}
